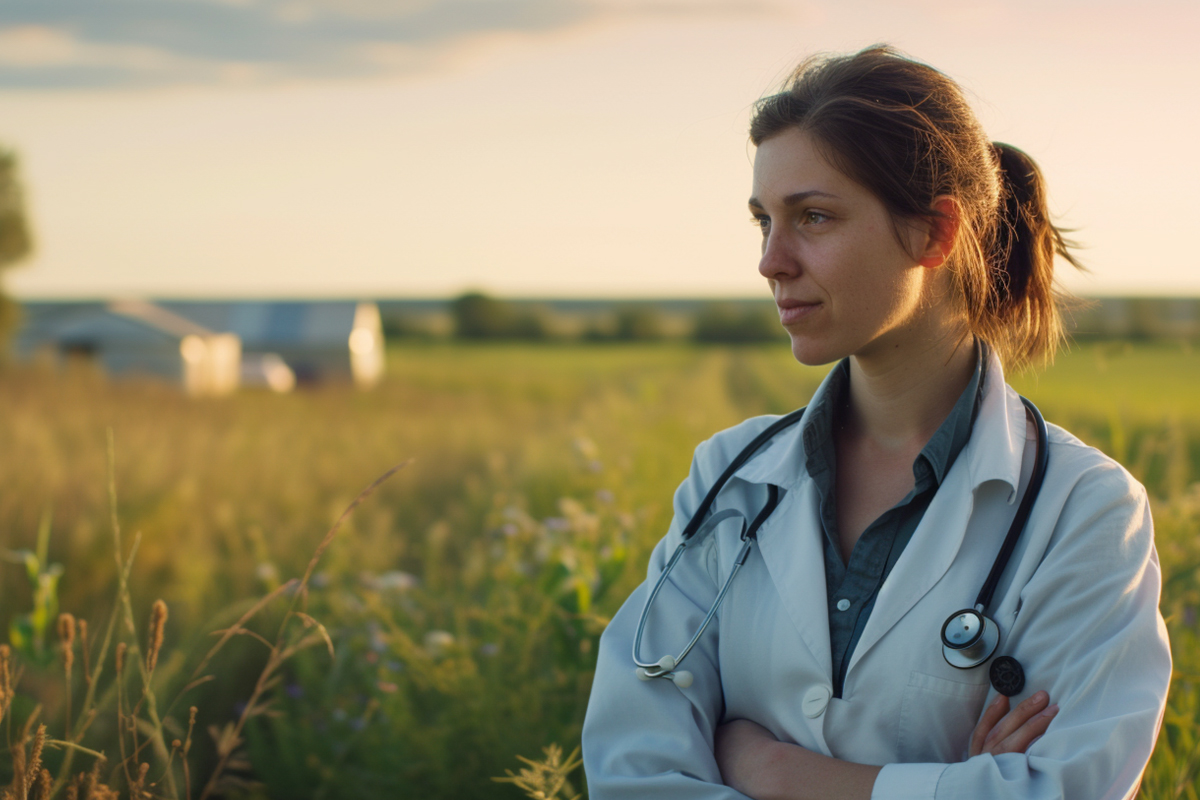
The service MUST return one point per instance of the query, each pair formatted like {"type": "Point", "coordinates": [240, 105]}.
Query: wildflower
{"type": "Point", "coordinates": [395, 580]}
{"type": "Point", "coordinates": [294, 691]}
{"type": "Point", "coordinates": [437, 642]}
{"type": "Point", "coordinates": [489, 649]}
{"type": "Point", "coordinates": [267, 572]}
{"type": "Point", "coordinates": [387, 687]}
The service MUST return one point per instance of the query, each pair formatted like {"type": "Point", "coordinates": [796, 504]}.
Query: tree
{"type": "Point", "coordinates": [16, 242]}
{"type": "Point", "coordinates": [731, 323]}
{"type": "Point", "coordinates": [478, 316]}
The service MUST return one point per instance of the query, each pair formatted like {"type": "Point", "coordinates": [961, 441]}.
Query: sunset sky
{"type": "Point", "coordinates": [537, 147]}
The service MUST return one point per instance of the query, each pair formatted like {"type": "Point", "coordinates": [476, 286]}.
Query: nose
{"type": "Point", "coordinates": [778, 261]}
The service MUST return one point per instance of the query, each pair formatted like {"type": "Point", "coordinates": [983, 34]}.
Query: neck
{"type": "Point", "coordinates": [900, 395]}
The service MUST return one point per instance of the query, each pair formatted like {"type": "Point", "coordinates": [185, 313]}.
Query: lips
{"type": "Point", "coordinates": [791, 311]}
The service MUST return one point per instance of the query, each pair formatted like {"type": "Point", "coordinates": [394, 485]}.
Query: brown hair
{"type": "Point", "coordinates": [904, 131]}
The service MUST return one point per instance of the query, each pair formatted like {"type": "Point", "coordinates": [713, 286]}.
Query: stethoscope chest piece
{"type": "Point", "coordinates": [968, 638]}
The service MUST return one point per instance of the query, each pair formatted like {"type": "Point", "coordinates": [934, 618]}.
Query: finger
{"type": "Point", "coordinates": [993, 714]}
{"type": "Point", "coordinates": [1019, 741]}
{"type": "Point", "coordinates": [1025, 711]}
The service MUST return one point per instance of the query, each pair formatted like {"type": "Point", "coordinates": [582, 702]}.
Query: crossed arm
{"type": "Point", "coordinates": [759, 766]}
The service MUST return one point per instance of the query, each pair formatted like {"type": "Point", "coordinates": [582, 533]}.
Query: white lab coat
{"type": "Point", "coordinates": [1077, 607]}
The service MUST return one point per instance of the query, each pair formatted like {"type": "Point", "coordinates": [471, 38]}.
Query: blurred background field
{"type": "Point", "coordinates": [465, 597]}
{"type": "Point", "coordinates": [204, 192]}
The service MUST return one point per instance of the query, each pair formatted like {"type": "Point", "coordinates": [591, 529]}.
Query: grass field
{"type": "Point", "coordinates": [464, 598]}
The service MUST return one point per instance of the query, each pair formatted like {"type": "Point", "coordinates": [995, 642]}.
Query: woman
{"type": "Point", "coordinates": [900, 242]}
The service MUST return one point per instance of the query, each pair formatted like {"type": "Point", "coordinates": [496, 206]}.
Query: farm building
{"type": "Point", "coordinates": [132, 337]}
{"type": "Point", "coordinates": [318, 340]}
{"type": "Point", "coordinates": [279, 343]}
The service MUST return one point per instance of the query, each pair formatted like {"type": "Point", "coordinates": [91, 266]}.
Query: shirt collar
{"type": "Point", "coordinates": [993, 451]}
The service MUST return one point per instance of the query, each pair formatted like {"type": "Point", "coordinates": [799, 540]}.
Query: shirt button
{"type": "Point", "coordinates": [815, 700]}
{"type": "Point", "coordinates": [843, 604]}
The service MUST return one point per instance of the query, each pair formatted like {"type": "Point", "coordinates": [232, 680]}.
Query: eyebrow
{"type": "Point", "coordinates": [795, 197]}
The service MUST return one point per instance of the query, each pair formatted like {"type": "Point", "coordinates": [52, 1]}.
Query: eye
{"type": "Point", "coordinates": [762, 222]}
{"type": "Point", "coordinates": [814, 217]}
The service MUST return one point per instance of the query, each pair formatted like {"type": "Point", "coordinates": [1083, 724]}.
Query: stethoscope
{"type": "Point", "coordinates": [969, 636]}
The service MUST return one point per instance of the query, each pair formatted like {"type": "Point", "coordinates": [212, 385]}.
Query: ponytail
{"type": "Point", "coordinates": [1021, 314]}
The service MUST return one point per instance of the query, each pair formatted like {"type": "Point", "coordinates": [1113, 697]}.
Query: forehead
{"type": "Point", "coordinates": [792, 162]}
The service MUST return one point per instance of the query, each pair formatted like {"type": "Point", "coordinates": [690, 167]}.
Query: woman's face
{"type": "Point", "coordinates": [842, 281]}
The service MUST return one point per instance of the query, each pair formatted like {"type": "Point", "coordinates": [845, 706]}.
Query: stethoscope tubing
{"type": "Point", "coordinates": [698, 527]}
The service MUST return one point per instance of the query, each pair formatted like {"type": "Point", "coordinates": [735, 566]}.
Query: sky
{"type": "Point", "coordinates": [538, 148]}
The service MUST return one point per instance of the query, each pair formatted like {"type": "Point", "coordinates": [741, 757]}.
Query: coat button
{"type": "Point", "coordinates": [843, 604]}
{"type": "Point", "coordinates": [815, 700]}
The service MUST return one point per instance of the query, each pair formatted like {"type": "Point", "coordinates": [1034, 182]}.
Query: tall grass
{"type": "Point", "coordinates": [464, 600]}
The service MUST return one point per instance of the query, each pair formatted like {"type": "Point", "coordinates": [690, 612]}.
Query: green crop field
{"type": "Point", "coordinates": [462, 600]}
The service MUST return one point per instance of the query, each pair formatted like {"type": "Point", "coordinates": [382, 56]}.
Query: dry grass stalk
{"type": "Point", "coordinates": [45, 786]}
{"type": "Point", "coordinates": [19, 789]}
{"type": "Point", "coordinates": [66, 637]}
{"type": "Point", "coordinates": [154, 640]}
{"type": "Point", "coordinates": [83, 649]}
{"type": "Point", "coordinates": [35, 757]}
{"type": "Point", "coordinates": [31, 781]}
{"type": "Point", "coordinates": [281, 651]}
{"type": "Point", "coordinates": [138, 790]}
{"type": "Point", "coordinates": [187, 746]}
{"type": "Point", "coordinates": [87, 785]}
{"type": "Point", "coordinates": [6, 689]}
{"type": "Point", "coordinates": [87, 711]}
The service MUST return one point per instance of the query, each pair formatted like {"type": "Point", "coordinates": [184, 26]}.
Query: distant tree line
{"type": "Point", "coordinates": [476, 316]}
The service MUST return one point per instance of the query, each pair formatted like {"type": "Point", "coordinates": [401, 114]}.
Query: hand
{"type": "Point", "coordinates": [1003, 731]}
{"type": "Point", "coordinates": [740, 747]}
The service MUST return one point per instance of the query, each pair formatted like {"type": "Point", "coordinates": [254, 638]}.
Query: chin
{"type": "Point", "coordinates": [813, 353]}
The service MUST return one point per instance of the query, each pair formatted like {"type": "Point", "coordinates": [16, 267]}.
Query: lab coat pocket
{"type": "Point", "coordinates": [936, 718]}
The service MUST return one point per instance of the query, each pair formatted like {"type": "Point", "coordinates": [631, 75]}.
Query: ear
{"type": "Point", "coordinates": [943, 232]}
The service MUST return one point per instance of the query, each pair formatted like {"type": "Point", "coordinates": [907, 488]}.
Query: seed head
{"type": "Point", "coordinates": [66, 635]}
{"type": "Point", "coordinates": [121, 648]}
{"type": "Point", "coordinates": [5, 678]}
{"type": "Point", "coordinates": [45, 785]}
{"type": "Point", "coordinates": [158, 621]}
{"type": "Point", "coordinates": [35, 756]}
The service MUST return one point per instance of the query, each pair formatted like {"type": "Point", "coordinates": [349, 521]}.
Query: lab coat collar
{"type": "Point", "coordinates": [993, 452]}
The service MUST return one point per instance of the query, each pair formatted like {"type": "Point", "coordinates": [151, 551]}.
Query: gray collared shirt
{"type": "Point", "coordinates": [852, 587]}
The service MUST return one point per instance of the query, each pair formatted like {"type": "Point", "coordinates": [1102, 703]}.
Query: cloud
{"type": "Point", "coordinates": [84, 43]}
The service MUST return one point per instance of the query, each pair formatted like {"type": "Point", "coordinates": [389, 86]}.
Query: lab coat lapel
{"type": "Point", "coordinates": [790, 543]}
{"type": "Point", "coordinates": [933, 547]}
{"type": "Point", "coordinates": [993, 453]}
